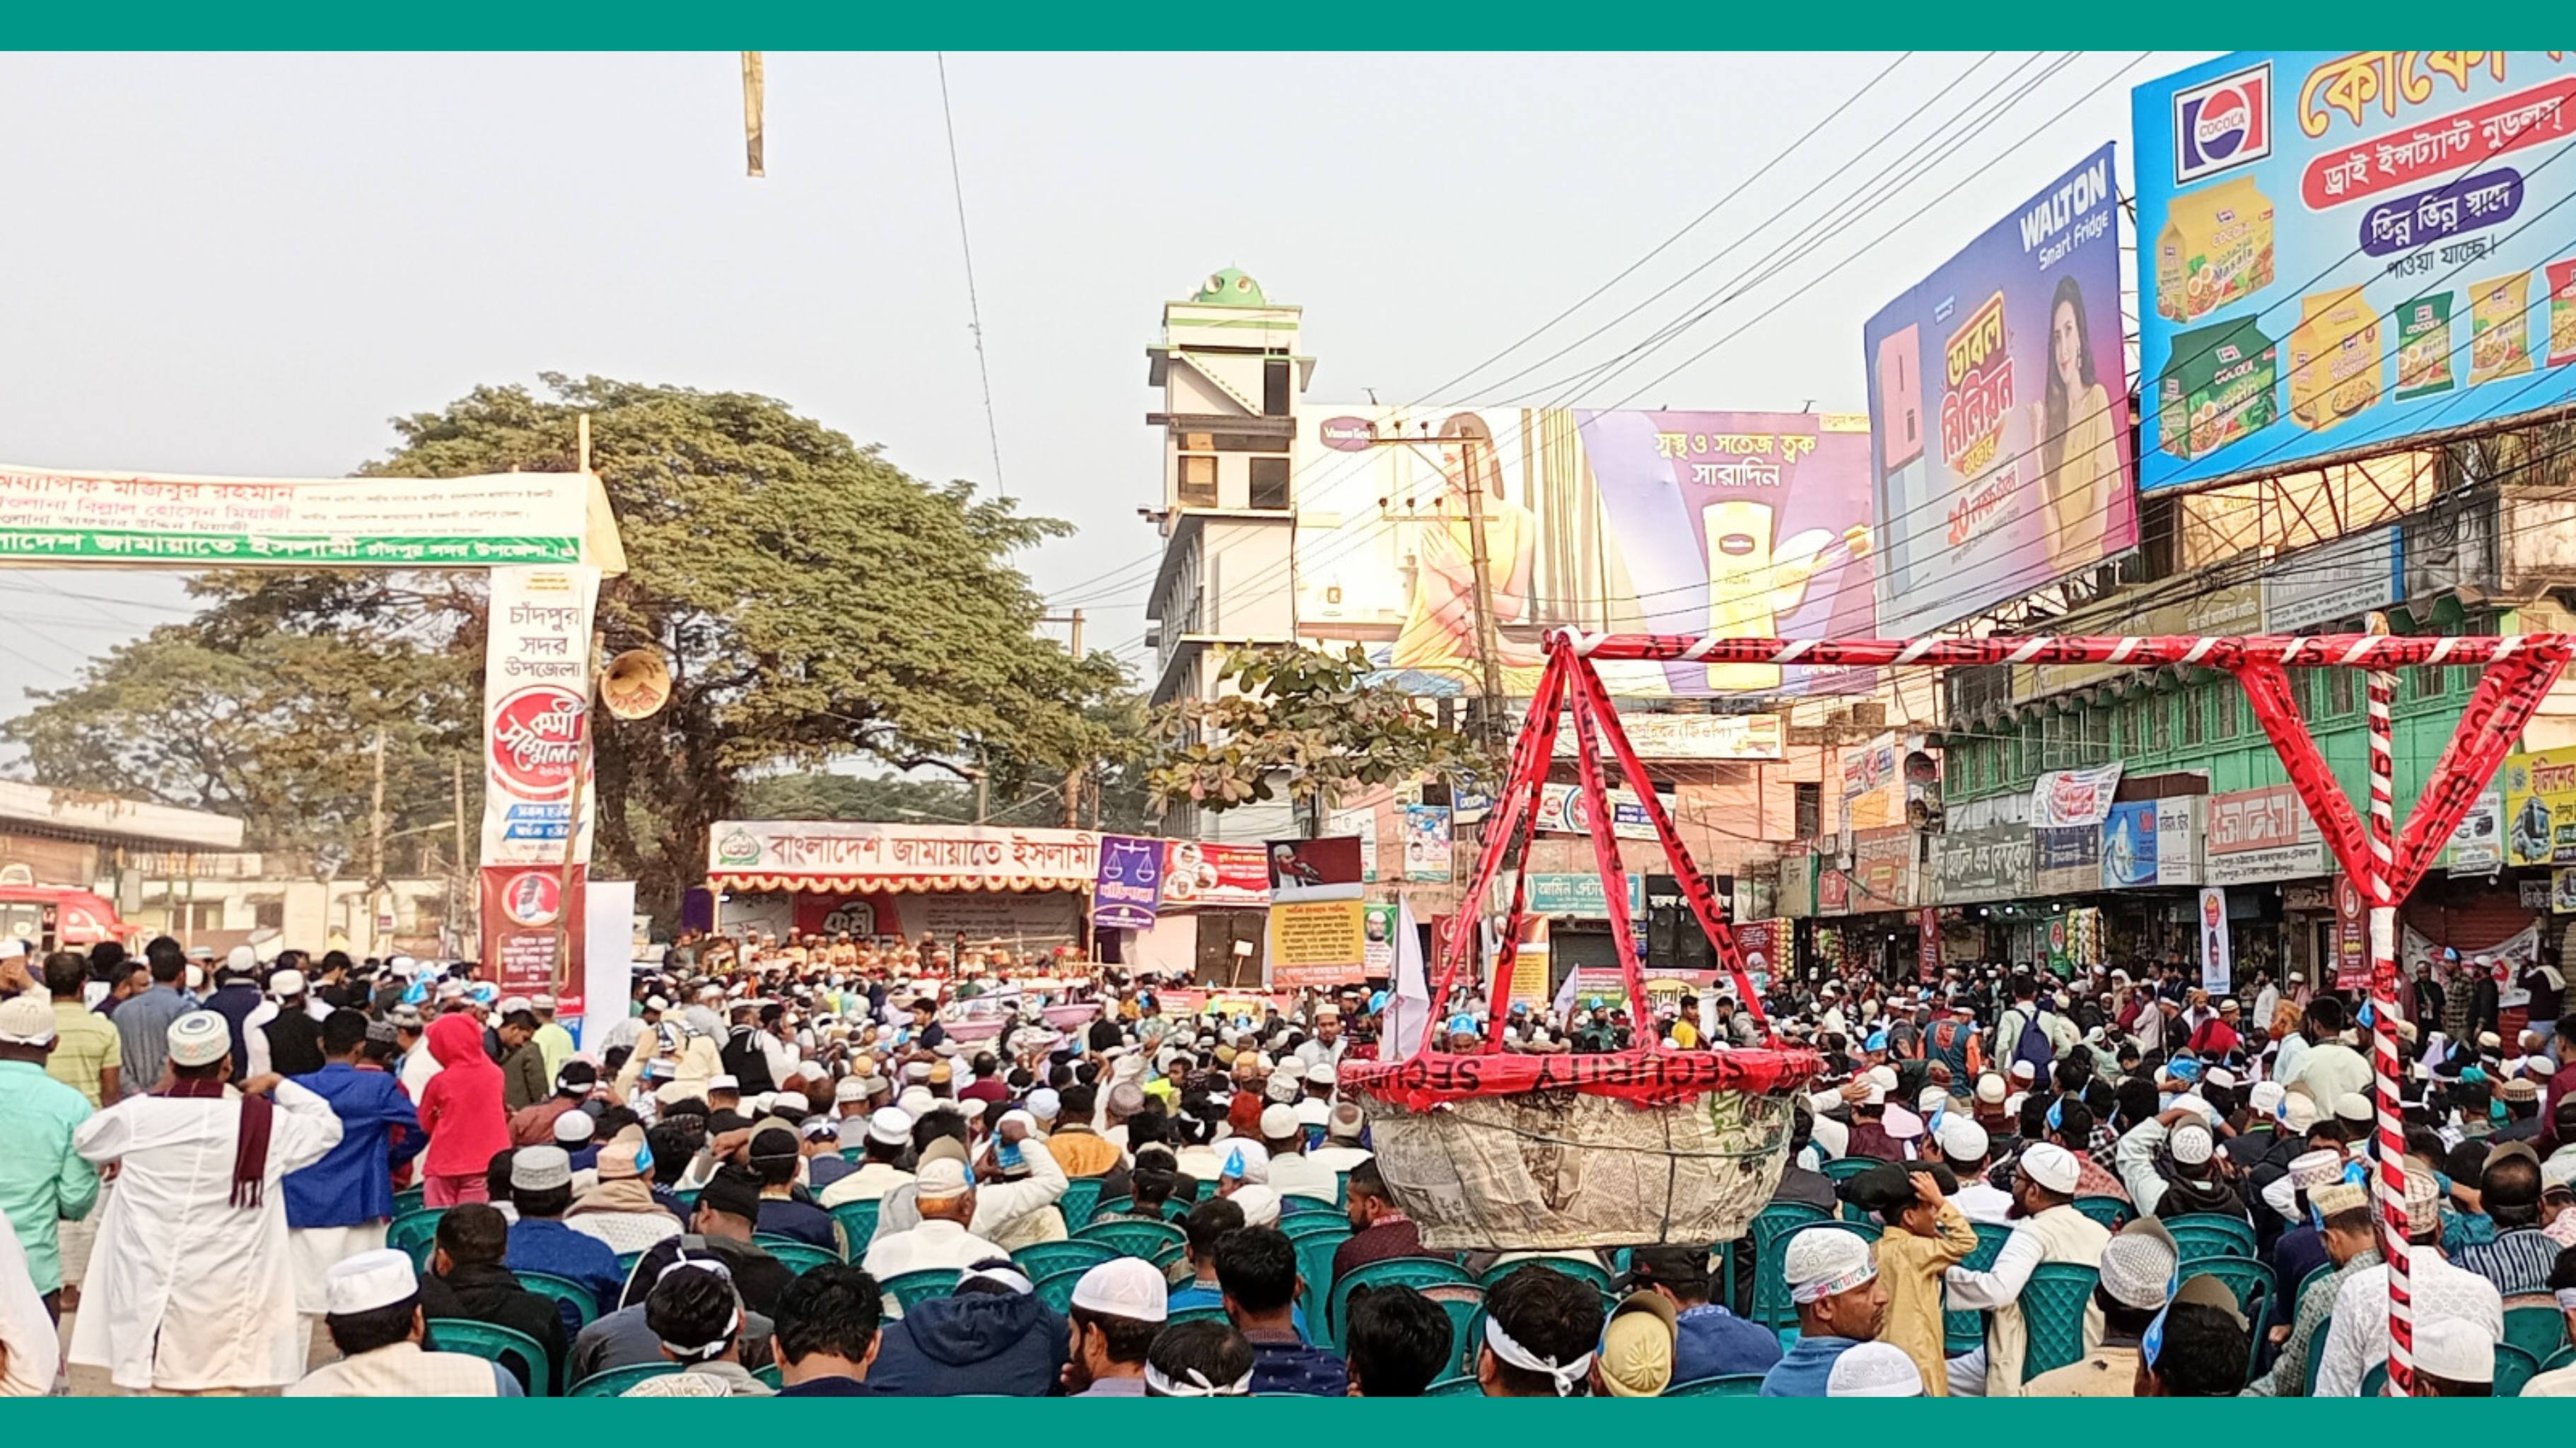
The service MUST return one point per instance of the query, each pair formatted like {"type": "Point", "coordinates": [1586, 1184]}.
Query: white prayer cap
{"type": "Point", "coordinates": [2455, 1348]}
{"type": "Point", "coordinates": [1962, 1139]}
{"type": "Point", "coordinates": [940, 1181]}
{"type": "Point", "coordinates": [1824, 1261]}
{"type": "Point", "coordinates": [890, 1126]}
{"type": "Point", "coordinates": [2191, 1143]}
{"type": "Point", "coordinates": [1259, 1203]}
{"type": "Point", "coordinates": [1128, 1287]}
{"type": "Point", "coordinates": [26, 1020]}
{"type": "Point", "coordinates": [243, 959]}
{"type": "Point", "coordinates": [1874, 1370]}
{"type": "Point", "coordinates": [287, 983]}
{"type": "Point", "coordinates": [2138, 1265]}
{"type": "Point", "coordinates": [1046, 1104]}
{"type": "Point", "coordinates": [200, 1038]}
{"type": "Point", "coordinates": [2050, 1165]}
{"type": "Point", "coordinates": [2264, 1097]}
{"type": "Point", "coordinates": [368, 1281]}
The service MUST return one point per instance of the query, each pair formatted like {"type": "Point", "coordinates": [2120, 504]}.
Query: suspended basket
{"type": "Point", "coordinates": [1506, 1152]}
{"type": "Point", "coordinates": [1495, 1151]}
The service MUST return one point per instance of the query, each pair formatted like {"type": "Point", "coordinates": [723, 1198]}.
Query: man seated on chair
{"type": "Point", "coordinates": [2047, 1228]}
{"type": "Point", "coordinates": [1257, 1270]}
{"type": "Point", "coordinates": [1709, 1340]}
{"type": "Point", "coordinates": [2197, 1348]}
{"type": "Point", "coordinates": [467, 1280]}
{"type": "Point", "coordinates": [885, 1140]}
{"type": "Point", "coordinates": [1542, 1328]}
{"type": "Point", "coordinates": [541, 1188]}
{"type": "Point", "coordinates": [2351, 1245]}
{"type": "Point", "coordinates": [1379, 1228]}
{"type": "Point", "coordinates": [2357, 1332]}
{"type": "Point", "coordinates": [775, 1156]}
{"type": "Point", "coordinates": [1397, 1342]}
{"type": "Point", "coordinates": [373, 1313]}
{"type": "Point", "coordinates": [1207, 1224]}
{"type": "Point", "coordinates": [1118, 1308]}
{"type": "Point", "coordinates": [1833, 1279]}
{"type": "Point", "coordinates": [727, 1207]}
{"type": "Point", "coordinates": [992, 1337]}
{"type": "Point", "coordinates": [699, 1320]}
{"type": "Point", "coordinates": [2138, 1268]}
{"type": "Point", "coordinates": [828, 1333]}
{"type": "Point", "coordinates": [945, 1198]}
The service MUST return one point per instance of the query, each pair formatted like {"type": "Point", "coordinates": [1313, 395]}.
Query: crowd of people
{"type": "Point", "coordinates": [328, 1176]}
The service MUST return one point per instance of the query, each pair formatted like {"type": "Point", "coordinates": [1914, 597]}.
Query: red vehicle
{"type": "Point", "coordinates": [57, 917]}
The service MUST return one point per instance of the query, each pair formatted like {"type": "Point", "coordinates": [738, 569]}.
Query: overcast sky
{"type": "Point", "coordinates": [246, 264]}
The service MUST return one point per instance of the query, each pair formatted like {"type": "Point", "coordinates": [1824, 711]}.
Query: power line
{"type": "Point", "coordinates": [974, 308]}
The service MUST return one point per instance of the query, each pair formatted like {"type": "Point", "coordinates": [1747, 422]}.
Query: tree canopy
{"type": "Point", "coordinates": [1314, 722]}
{"type": "Point", "coordinates": [814, 602]}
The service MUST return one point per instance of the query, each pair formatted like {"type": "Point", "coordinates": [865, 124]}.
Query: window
{"type": "Point", "coordinates": [1197, 481]}
{"type": "Point", "coordinates": [1275, 392]}
{"type": "Point", "coordinates": [1808, 805]}
{"type": "Point", "coordinates": [2193, 704]}
{"type": "Point", "coordinates": [2342, 691]}
{"type": "Point", "coordinates": [1270, 483]}
{"type": "Point", "coordinates": [269, 915]}
{"type": "Point", "coordinates": [2159, 724]}
{"type": "Point", "coordinates": [2230, 701]}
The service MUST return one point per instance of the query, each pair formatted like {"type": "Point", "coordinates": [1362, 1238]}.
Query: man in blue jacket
{"type": "Point", "coordinates": [541, 1189]}
{"type": "Point", "coordinates": [991, 1337]}
{"type": "Point", "coordinates": [1833, 1279]}
{"type": "Point", "coordinates": [1709, 1340]}
{"type": "Point", "coordinates": [338, 1206]}
{"type": "Point", "coordinates": [1257, 1270]}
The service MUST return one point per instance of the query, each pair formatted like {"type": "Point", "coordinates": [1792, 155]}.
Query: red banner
{"type": "Point", "coordinates": [1927, 949]}
{"type": "Point", "coordinates": [2352, 935]}
{"type": "Point", "coordinates": [531, 943]}
{"type": "Point", "coordinates": [1658, 1079]}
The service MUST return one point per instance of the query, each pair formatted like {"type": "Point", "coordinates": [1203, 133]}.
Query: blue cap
{"type": "Point", "coordinates": [1461, 1023]}
{"type": "Point", "coordinates": [1877, 1041]}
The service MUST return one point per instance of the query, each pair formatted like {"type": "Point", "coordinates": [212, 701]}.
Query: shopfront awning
{"type": "Point", "coordinates": [848, 857]}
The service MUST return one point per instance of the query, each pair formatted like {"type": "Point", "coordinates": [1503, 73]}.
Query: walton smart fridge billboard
{"type": "Point", "coordinates": [2344, 250]}
{"type": "Point", "coordinates": [1699, 523]}
{"type": "Point", "coordinates": [1998, 411]}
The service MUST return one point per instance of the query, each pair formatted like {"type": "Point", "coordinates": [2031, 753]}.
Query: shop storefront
{"type": "Point", "coordinates": [1013, 889]}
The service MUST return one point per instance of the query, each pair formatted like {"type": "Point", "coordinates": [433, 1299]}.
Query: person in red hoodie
{"type": "Point", "coordinates": [460, 1108]}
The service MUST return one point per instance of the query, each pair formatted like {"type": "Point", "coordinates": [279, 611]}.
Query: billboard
{"type": "Point", "coordinates": [1998, 395]}
{"type": "Point", "coordinates": [2344, 250]}
{"type": "Point", "coordinates": [1742, 523]}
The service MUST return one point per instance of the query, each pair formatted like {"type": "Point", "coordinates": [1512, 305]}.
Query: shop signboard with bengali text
{"type": "Point", "coordinates": [147, 520]}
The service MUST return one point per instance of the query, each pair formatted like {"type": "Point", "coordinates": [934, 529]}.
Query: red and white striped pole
{"type": "Point", "coordinates": [2381, 895]}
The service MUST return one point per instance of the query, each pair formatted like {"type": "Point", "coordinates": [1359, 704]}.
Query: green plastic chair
{"type": "Point", "coordinates": [416, 1233]}
{"type": "Point", "coordinates": [1392, 1272]}
{"type": "Point", "coordinates": [1315, 1251]}
{"type": "Point", "coordinates": [1733, 1385]}
{"type": "Point", "coordinates": [1315, 1224]}
{"type": "Point", "coordinates": [2374, 1383]}
{"type": "Point", "coordinates": [1291, 1208]}
{"type": "Point", "coordinates": [1455, 1388]}
{"type": "Point", "coordinates": [1056, 1288]}
{"type": "Point", "coordinates": [2210, 1234]}
{"type": "Point", "coordinates": [800, 1257]}
{"type": "Point", "coordinates": [2565, 1357]}
{"type": "Point", "coordinates": [408, 1200]}
{"type": "Point", "coordinates": [2111, 1212]}
{"type": "Point", "coordinates": [1045, 1259]}
{"type": "Point", "coordinates": [1465, 1306]}
{"type": "Point", "coordinates": [2052, 1307]}
{"type": "Point", "coordinates": [1156, 1242]}
{"type": "Point", "coordinates": [1963, 1329]}
{"type": "Point", "coordinates": [534, 1369]}
{"type": "Point", "coordinates": [858, 1224]}
{"type": "Point", "coordinates": [613, 1382]}
{"type": "Point", "coordinates": [1843, 1168]}
{"type": "Point", "coordinates": [563, 1289]}
{"type": "Point", "coordinates": [907, 1288]}
{"type": "Point", "coordinates": [2319, 1273]}
{"type": "Point", "coordinates": [770, 1375]}
{"type": "Point", "coordinates": [1591, 1274]}
{"type": "Point", "coordinates": [2252, 1282]}
{"type": "Point", "coordinates": [1080, 1196]}
{"type": "Point", "coordinates": [1772, 1227]}
{"type": "Point", "coordinates": [2513, 1368]}
{"type": "Point", "coordinates": [2316, 1361]}
{"type": "Point", "coordinates": [1196, 1314]}
{"type": "Point", "coordinates": [2539, 1331]}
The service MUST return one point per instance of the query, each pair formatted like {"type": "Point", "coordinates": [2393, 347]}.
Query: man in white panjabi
{"type": "Point", "coordinates": [375, 1320]}
{"type": "Point", "coordinates": [192, 1287]}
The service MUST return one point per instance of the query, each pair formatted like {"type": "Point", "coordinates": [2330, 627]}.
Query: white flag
{"type": "Point", "coordinates": [1408, 1006]}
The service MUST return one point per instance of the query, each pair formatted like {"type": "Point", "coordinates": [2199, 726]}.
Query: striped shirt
{"type": "Point", "coordinates": [2518, 1262]}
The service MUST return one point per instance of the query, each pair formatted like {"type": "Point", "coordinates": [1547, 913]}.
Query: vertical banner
{"type": "Point", "coordinates": [1128, 889]}
{"type": "Point", "coordinates": [536, 694]}
{"type": "Point", "coordinates": [2352, 936]}
{"type": "Point", "coordinates": [2217, 971]}
{"type": "Point", "coordinates": [607, 962]}
{"type": "Point", "coordinates": [1426, 843]}
{"type": "Point", "coordinates": [533, 937]}
{"type": "Point", "coordinates": [1408, 1000]}
{"type": "Point", "coordinates": [1378, 946]}
{"type": "Point", "coordinates": [1927, 943]}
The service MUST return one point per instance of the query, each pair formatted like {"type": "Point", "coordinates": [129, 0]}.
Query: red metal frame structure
{"type": "Point", "coordinates": [2519, 671]}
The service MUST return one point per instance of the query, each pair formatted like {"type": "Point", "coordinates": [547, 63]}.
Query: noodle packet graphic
{"type": "Point", "coordinates": [2499, 317]}
{"type": "Point", "coordinates": [2334, 359]}
{"type": "Point", "coordinates": [2222, 384]}
{"type": "Point", "coordinates": [2562, 312]}
{"type": "Point", "coordinates": [2424, 347]}
{"type": "Point", "coordinates": [2216, 248]}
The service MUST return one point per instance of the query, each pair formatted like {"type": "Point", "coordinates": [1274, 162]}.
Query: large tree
{"type": "Point", "coordinates": [814, 601]}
